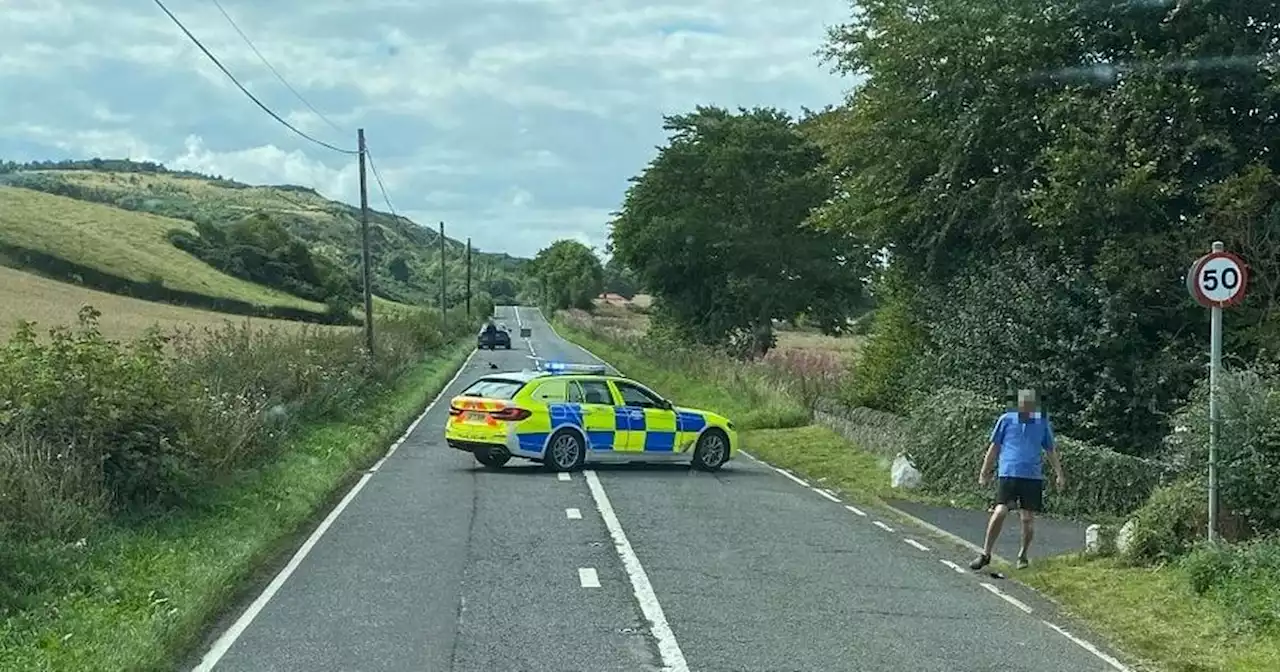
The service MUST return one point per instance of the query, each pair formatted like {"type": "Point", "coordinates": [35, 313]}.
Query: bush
{"type": "Point", "coordinates": [1248, 447]}
{"type": "Point", "coordinates": [886, 363]}
{"type": "Point", "coordinates": [1170, 523]}
{"type": "Point", "coordinates": [952, 430]}
{"type": "Point", "coordinates": [1245, 579]}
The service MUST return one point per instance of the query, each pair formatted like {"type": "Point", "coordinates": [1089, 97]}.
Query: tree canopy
{"type": "Point", "coordinates": [715, 228]}
{"type": "Point", "coordinates": [570, 273]}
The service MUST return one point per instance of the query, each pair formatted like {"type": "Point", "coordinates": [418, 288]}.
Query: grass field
{"type": "Point", "coordinates": [49, 303]}
{"type": "Point", "coordinates": [127, 244]}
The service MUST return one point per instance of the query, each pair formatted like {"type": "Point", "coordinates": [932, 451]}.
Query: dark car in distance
{"type": "Point", "coordinates": [493, 337]}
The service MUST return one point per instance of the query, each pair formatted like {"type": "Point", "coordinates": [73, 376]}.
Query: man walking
{"type": "Point", "coordinates": [1019, 441]}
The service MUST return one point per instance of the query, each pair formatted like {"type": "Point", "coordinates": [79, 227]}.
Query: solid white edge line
{"type": "Point", "coordinates": [952, 565]}
{"type": "Point", "coordinates": [573, 514]}
{"type": "Point", "coordinates": [856, 511]}
{"type": "Point", "coordinates": [1120, 667]}
{"type": "Point", "coordinates": [228, 638]}
{"type": "Point", "coordinates": [917, 544]}
{"type": "Point", "coordinates": [828, 495]}
{"type": "Point", "coordinates": [588, 578]}
{"type": "Point", "coordinates": [672, 658]}
{"type": "Point", "coordinates": [882, 526]}
{"type": "Point", "coordinates": [1015, 602]}
{"type": "Point", "coordinates": [564, 476]}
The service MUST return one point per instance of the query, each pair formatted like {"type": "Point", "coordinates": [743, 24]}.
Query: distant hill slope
{"type": "Point", "coordinates": [126, 253]}
{"type": "Point", "coordinates": [405, 255]}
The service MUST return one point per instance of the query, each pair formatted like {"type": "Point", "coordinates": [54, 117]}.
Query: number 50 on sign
{"type": "Point", "coordinates": [1218, 280]}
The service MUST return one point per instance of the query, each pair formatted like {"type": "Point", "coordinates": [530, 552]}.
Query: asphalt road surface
{"type": "Point", "coordinates": [434, 564]}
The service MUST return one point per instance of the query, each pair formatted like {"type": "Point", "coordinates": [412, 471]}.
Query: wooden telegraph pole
{"type": "Point", "coordinates": [444, 311]}
{"type": "Point", "coordinates": [468, 278]}
{"type": "Point", "coordinates": [364, 245]}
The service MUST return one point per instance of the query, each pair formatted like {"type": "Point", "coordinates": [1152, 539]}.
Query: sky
{"type": "Point", "coordinates": [516, 122]}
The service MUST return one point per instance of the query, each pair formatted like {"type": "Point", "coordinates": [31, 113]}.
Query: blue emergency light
{"type": "Point", "coordinates": [566, 367]}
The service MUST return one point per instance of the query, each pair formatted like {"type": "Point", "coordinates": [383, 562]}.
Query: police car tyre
{"type": "Point", "coordinates": [495, 457]}
{"type": "Point", "coordinates": [566, 451]}
{"type": "Point", "coordinates": [712, 450]}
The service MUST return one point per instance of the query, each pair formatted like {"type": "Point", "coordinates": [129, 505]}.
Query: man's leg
{"type": "Point", "coordinates": [995, 524]}
{"type": "Point", "coordinates": [1031, 495]}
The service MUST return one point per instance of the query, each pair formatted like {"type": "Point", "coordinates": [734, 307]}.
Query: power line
{"type": "Point", "coordinates": [272, 68]}
{"type": "Point", "coordinates": [378, 178]}
{"type": "Point", "coordinates": [244, 90]}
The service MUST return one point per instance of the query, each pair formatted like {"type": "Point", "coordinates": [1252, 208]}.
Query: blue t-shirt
{"type": "Point", "coordinates": [1021, 443]}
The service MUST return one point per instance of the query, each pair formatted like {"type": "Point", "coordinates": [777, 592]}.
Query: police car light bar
{"type": "Point", "coordinates": [565, 367]}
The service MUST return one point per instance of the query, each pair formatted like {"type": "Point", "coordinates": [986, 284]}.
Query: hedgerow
{"type": "Point", "coordinates": [92, 428]}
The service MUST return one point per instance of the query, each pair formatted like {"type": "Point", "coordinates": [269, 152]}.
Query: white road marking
{"type": "Point", "coordinates": [953, 565]}
{"type": "Point", "coordinates": [917, 544]}
{"type": "Point", "coordinates": [518, 322]}
{"type": "Point", "coordinates": [855, 511]}
{"type": "Point", "coordinates": [588, 578]}
{"type": "Point", "coordinates": [828, 495]}
{"type": "Point", "coordinates": [564, 476]}
{"type": "Point", "coordinates": [228, 639]}
{"type": "Point", "coordinates": [1120, 667]}
{"type": "Point", "coordinates": [882, 526]}
{"type": "Point", "coordinates": [792, 476]}
{"type": "Point", "coordinates": [1007, 598]}
{"type": "Point", "coordinates": [573, 514]}
{"type": "Point", "coordinates": [672, 658]}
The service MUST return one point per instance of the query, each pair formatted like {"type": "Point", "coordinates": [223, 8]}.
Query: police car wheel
{"type": "Point", "coordinates": [712, 451]}
{"type": "Point", "coordinates": [493, 457]}
{"type": "Point", "coordinates": [565, 451]}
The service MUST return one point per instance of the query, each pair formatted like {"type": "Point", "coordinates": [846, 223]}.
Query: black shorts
{"type": "Point", "coordinates": [1027, 492]}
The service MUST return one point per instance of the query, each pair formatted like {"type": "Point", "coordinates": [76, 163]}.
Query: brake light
{"type": "Point", "coordinates": [510, 413]}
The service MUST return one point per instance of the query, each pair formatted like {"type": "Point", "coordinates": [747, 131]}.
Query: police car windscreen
{"type": "Point", "coordinates": [493, 388]}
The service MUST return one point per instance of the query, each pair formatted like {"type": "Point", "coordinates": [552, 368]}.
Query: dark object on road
{"type": "Point", "coordinates": [493, 337]}
{"type": "Point", "coordinates": [525, 332]}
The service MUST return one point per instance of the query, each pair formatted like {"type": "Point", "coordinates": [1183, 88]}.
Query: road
{"type": "Point", "coordinates": [438, 564]}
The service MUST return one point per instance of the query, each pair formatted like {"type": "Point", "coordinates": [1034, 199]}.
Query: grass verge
{"type": "Point", "coordinates": [1148, 612]}
{"type": "Point", "coordinates": [139, 598]}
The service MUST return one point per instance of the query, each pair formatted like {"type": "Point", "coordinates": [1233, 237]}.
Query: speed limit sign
{"type": "Point", "coordinates": [1218, 280]}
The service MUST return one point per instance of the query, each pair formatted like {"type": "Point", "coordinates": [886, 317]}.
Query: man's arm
{"type": "Point", "coordinates": [1050, 449]}
{"type": "Point", "coordinates": [993, 451]}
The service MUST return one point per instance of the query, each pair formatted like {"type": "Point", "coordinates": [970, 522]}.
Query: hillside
{"type": "Point", "coordinates": [405, 255]}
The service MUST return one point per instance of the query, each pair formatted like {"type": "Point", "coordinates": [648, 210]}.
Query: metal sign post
{"type": "Point", "coordinates": [1216, 280]}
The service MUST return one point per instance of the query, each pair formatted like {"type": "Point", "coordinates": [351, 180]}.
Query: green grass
{"type": "Point", "coordinates": [139, 598]}
{"type": "Point", "coordinates": [126, 244]}
{"type": "Point", "coordinates": [1151, 613]}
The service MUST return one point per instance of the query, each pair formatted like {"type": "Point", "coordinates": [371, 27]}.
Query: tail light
{"type": "Point", "coordinates": [454, 410]}
{"type": "Point", "coordinates": [511, 413]}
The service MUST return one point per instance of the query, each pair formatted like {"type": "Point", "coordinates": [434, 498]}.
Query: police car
{"type": "Point", "coordinates": [566, 415]}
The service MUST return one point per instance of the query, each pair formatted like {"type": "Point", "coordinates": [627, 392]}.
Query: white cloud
{"type": "Point", "coordinates": [515, 121]}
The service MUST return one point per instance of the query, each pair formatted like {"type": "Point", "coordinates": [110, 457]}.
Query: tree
{"type": "Point", "coordinates": [570, 273]}
{"type": "Point", "coordinates": [716, 228]}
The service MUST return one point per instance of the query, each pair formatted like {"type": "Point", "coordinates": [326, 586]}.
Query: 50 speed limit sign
{"type": "Point", "coordinates": [1218, 280]}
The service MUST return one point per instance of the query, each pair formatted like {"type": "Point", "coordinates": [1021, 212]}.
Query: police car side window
{"type": "Point", "coordinates": [634, 396]}
{"type": "Point", "coordinates": [552, 391]}
{"type": "Point", "coordinates": [595, 392]}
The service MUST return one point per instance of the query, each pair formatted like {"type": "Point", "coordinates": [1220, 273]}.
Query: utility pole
{"type": "Point", "coordinates": [364, 246]}
{"type": "Point", "coordinates": [444, 311]}
{"type": "Point", "coordinates": [468, 278]}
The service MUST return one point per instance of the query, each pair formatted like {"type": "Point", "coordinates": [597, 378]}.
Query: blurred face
{"type": "Point", "coordinates": [1026, 404]}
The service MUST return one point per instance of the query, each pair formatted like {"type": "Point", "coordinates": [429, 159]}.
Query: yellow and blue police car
{"type": "Point", "coordinates": [566, 415]}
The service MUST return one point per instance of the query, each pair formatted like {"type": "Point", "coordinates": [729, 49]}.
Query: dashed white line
{"type": "Point", "coordinates": [828, 495]}
{"type": "Point", "coordinates": [855, 511]}
{"type": "Point", "coordinates": [917, 544]}
{"type": "Point", "coordinates": [792, 476]}
{"type": "Point", "coordinates": [952, 565]}
{"type": "Point", "coordinates": [1007, 598]}
{"type": "Point", "coordinates": [672, 657]}
{"type": "Point", "coordinates": [228, 638]}
{"type": "Point", "coordinates": [563, 476]}
{"type": "Point", "coordinates": [573, 514]}
{"type": "Point", "coordinates": [1120, 667]}
{"type": "Point", "coordinates": [588, 578]}
{"type": "Point", "coordinates": [882, 526]}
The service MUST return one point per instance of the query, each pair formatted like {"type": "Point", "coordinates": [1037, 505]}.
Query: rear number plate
{"type": "Point", "coordinates": [472, 416]}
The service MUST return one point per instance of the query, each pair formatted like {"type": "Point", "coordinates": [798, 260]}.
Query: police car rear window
{"type": "Point", "coordinates": [493, 388]}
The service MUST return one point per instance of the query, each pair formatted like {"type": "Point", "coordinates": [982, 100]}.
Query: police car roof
{"type": "Point", "coordinates": [527, 375]}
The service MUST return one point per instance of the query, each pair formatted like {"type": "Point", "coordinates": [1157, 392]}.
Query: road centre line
{"type": "Point", "coordinates": [1119, 667]}
{"type": "Point", "coordinates": [882, 526]}
{"type": "Point", "coordinates": [573, 514]}
{"type": "Point", "coordinates": [563, 476]}
{"type": "Point", "coordinates": [672, 657]}
{"type": "Point", "coordinates": [228, 638]}
{"type": "Point", "coordinates": [588, 577]}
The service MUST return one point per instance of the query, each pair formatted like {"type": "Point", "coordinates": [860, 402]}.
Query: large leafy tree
{"type": "Point", "coordinates": [715, 228]}
{"type": "Point", "coordinates": [570, 274]}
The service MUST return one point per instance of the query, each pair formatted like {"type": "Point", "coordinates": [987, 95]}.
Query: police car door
{"type": "Point", "coordinates": [598, 417]}
{"type": "Point", "coordinates": [652, 426]}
